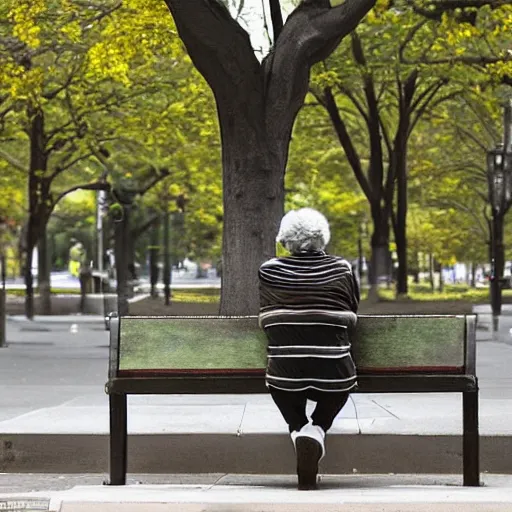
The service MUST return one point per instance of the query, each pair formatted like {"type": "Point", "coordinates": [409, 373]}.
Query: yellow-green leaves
{"type": "Point", "coordinates": [24, 17]}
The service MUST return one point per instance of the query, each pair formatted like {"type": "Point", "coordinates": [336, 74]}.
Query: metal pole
{"type": "Point", "coordinates": [495, 273]}
{"type": "Point", "coordinates": [470, 441]}
{"type": "Point", "coordinates": [101, 199]}
{"type": "Point", "coordinates": [118, 439]}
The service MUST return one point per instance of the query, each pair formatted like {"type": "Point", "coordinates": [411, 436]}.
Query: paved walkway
{"type": "Point", "coordinates": [54, 416]}
{"type": "Point", "coordinates": [274, 493]}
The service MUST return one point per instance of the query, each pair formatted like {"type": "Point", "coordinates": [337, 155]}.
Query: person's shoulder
{"type": "Point", "coordinates": [342, 262]}
{"type": "Point", "coordinates": [270, 263]}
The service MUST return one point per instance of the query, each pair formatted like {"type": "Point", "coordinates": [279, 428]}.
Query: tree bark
{"type": "Point", "coordinates": [431, 271]}
{"type": "Point", "coordinates": [401, 216]}
{"type": "Point", "coordinates": [167, 270]}
{"type": "Point", "coordinates": [252, 209]}
{"type": "Point", "coordinates": [154, 251]}
{"type": "Point", "coordinates": [416, 275]}
{"type": "Point", "coordinates": [371, 184]}
{"type": "Point", "coordinates": [36, 193]}
{"type": "Point", "coordinates": [398, 159]}
{"type": "Point", "coordinates": [43, 274]}
{"type": "Point", "coordinates": [257, 105]}
{"type": "Point", "coordinates": [472, 282]}
{"type": "Point", "coordinates": [380, 258]}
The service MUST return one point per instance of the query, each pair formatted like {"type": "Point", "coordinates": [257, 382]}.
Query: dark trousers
{"type": "Point", "coordinates": [292, 405]}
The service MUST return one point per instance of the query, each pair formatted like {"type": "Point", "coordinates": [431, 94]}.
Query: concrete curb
{"type": "Point", "coordinates": [276, 493]}
{"type": "Point", "coordinates": [249, 453]}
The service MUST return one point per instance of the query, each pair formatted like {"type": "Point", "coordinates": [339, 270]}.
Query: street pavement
{"type": "Point", "coordinates": [65, 281]}
{"type": "Point", "coordinates": [54, 419]}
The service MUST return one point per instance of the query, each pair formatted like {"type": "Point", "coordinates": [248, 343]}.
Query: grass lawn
{"type": "Point", "coordinates": [456, 299]}
{"type": "Point", "coordinates": [451, 292]}
{"type": "Point", "coordinates": [55, 291]}
{"type": "Point", "coordinates": [187, 344]}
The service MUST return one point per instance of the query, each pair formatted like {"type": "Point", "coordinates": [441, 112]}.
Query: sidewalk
{"type": "Point", "coordinates": [274, 493]}
{"type": "Point", "coordinates": [54, 418]}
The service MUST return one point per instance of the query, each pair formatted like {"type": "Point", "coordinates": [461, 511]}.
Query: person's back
{"type": "Point", "coordinates": [308, 303]}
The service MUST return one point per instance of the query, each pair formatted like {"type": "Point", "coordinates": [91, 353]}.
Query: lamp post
{"type": "Point", "coordinates": [499, 176]}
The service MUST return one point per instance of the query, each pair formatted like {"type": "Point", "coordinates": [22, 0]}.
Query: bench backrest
{"type": "Point", "coordinates": [212, 345]}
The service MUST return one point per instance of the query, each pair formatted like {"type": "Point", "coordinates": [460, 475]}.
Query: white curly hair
{"type": "Point", "coordinates": [304, 230]}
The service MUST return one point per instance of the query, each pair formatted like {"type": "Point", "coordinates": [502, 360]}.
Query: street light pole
{"type": "Point", "coordinates": [499, 167]}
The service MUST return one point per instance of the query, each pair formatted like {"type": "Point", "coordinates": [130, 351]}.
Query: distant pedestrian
{"type": "Point", "coordinates": [308, 303]}
{"type": "Point", "coordinates": [77, 257]}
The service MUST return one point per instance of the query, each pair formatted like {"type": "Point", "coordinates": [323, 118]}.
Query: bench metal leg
{"type": "Point", "coordinates": [470, 443]}
{"type": "Point", "coordinates": [118, 439]}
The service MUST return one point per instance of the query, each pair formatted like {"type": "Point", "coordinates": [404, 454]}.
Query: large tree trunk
{"type": "Point", "coordinates": [43, 275]}
{"type": "Point", "coordinates": [401, 220]}
{"type": "Point", "coordinates": [380, 259]}
{"type": "Point", "coordinates": [431, 273]}
{"type": "Point", "coordinates": [406, 92]}
{"type": "Point", "coordinates": [252, 209]}
{"type": "Point", "coordinates": [36, 197]}
{"type": "Point", "coordinates": [29, 282]}
{"type": "Point", "coordinates": [472, 281]}
{"type": "Point", "coordinates": [257, 104]}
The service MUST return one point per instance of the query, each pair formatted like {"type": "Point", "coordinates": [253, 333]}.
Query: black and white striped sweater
{"type": "Point", "coordinates": [308, 303]}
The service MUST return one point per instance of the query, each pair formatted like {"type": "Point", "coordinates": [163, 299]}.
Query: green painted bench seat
{"type": "Point", "coordinates": [212, 354]}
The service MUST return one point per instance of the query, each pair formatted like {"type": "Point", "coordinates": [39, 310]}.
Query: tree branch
{"type": "Point", "coordinates": [98, 185]}
{"type": "Point", "coordinates": [277, 18]}
{"type": "Point", "coordinates": [340, 128]}
{"type": "Point", "coordinates": [60, 168]}
{"type": "Point", "coordinates": [408, 38]}
{"type": "Point", "coordinates": [337, 22]}
{"type": "Point", "coordinates": [219, 47]}
{"type": "Point", "coordinates": [436, 8]}
{"type": "Point", "coordinates": [136, 232]}
{"type": "Point", "coordinates": [163, 173]}
{"type": "Point", "coordinates": [472, 60]}
{"type": "Point", "coordinates": [352, 97]}
{"type": "Point", "coordinates": [311, 33]}
{"type": "Point", "coordinates": [373, 120]}
{"type": "Point", "coordinates": [428, 103]}
{"type": "Point", "coordinates": [432, 87]}
{"type": "Point", "coordinates": [12, 161]}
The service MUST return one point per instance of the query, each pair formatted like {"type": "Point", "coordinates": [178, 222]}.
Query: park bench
{"type": "Point", "coordinates": [212, 354]}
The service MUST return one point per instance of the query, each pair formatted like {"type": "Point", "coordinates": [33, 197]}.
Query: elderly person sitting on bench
{"type": "Point", "coordinates": [308, 303]}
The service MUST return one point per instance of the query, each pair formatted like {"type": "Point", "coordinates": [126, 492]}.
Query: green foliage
{"type": "Point", "coordinates": [450, 293]}
{"type": "Point", "coordinates": [120, 101]}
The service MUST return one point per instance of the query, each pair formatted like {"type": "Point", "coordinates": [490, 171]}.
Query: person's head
{"type": "Point", "coordinates": [304, 230]}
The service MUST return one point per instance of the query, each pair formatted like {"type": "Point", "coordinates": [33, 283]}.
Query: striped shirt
{"type": "Point", "coordinates": [308, 304]}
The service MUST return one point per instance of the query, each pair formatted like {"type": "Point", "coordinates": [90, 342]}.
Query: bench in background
{"type": "Point", "coordinates": [212, 354]}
